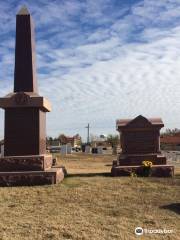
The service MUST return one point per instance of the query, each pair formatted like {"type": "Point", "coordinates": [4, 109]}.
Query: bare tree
{"type": "Point", "coordinates": [171, 132]}
{"type": "Point", "coordinates": [113, 140]}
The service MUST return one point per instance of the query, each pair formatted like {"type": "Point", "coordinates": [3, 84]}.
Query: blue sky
{"type": "Point", "coordinates": [99, 60]}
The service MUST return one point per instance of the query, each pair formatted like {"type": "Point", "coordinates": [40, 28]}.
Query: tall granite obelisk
{"type": "Point", "coordinates": [25, 116]}
{"type": "Point", "coordinates": [25, 67]}
{"type": "Point", "coordinates": [25, 111]}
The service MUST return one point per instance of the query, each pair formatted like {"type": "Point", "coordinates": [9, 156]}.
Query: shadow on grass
{"type": "Point", "coordinates": [175, 207]}
{"type": "Point", "coordinates": [105, 174]}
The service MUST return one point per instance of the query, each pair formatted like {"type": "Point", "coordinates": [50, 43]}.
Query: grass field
{"type": "Point", "coordinates": [89, 204]}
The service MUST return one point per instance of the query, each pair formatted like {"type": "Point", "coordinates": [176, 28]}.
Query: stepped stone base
{"type": "Point", "coordinates": [26, 163]}
{"type": "Point", "coordinates": [137, 159]}
{"type": "Point", "coordinates": [157, 170]}
{"type": "Point", "coordinates": [30, 178]}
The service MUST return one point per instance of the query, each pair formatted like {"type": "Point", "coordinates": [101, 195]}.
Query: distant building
{"type": "Point", "coordinates": [75, 140]}
{"type": "Point", "coordinates": [50, 142]}
{"type": "Point", "coordinates": [99, 141]}
{"type": "Point", "coordinates": [170, 143]}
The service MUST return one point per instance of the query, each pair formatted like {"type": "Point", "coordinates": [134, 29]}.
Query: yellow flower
{"type": "Point", "coordinates": [147, 163]}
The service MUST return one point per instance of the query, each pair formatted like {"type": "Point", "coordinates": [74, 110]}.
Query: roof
{"type": "Point", "coordinates": [154, 121]}
{"type": "Point", "coordinates": [139, 119]}
{"type": "Point", "coordinates": [170, 139]}
{"type": "Point", "coordinates": [70, 138]}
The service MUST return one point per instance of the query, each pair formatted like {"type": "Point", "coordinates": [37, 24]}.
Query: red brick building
{"type": "Point", "coordinates": [170, 142]}
{"type": "Point", "coordinates": [75, 140]}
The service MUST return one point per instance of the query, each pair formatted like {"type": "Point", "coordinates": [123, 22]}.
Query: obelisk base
{"type": "Point", "coordinates": [26, 163]}
{"type": "Point", "coordinates": [29, 170]}
{"type": "Point", "coordinates": [31, 178]}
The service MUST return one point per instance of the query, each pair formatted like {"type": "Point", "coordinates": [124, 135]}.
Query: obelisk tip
{"type": "Point", "coordinates": [23, 11]}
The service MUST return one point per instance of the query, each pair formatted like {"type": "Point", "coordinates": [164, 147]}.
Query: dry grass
{"type": "Point", "coordinates": [89, 205]}
{"type": "Point", "coordinates": [86, 163]}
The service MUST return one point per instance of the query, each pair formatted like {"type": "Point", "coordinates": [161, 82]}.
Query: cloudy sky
{"type": "Point", "coordinates": [99, 60]}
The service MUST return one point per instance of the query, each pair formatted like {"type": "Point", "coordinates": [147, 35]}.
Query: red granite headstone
{"type": "Point", "coordinates": [140, 141]}
{"type": "Point", "coordinates": [25, 116]}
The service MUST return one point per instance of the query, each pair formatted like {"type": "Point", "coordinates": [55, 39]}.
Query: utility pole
{"type": "Point", "coordinates": [87, 133]}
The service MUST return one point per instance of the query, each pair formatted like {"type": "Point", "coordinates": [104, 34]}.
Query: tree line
{"type": "Point", "coordinates": [171, 132]}
{"type": "Point", "coordinates": [112, 139]}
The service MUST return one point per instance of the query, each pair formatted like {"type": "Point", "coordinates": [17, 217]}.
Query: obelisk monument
{"type": "Point", "coordinates": [25, 67]}
{"type": "Point", "coordinates": [25, 115]}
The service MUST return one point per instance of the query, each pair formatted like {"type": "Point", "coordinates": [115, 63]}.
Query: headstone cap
{"type": "Point", "coordinates": [23, 11]}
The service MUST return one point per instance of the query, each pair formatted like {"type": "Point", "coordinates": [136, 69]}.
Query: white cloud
{"type": "Point", "coordinates": [118, 67]}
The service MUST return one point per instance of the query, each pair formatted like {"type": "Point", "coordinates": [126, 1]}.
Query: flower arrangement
{"type": "Point", "coordinates": [146, 168]}
{"type": "Point", "coordinates": [147, 164]}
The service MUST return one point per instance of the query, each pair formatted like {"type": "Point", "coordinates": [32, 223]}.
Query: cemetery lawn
{"type": "Point", "coordinates": [91, 205]}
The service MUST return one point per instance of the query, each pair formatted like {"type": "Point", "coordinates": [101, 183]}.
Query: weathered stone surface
{"type": "Point", "coordinates": [27, 99]}
{"type": "Point", "coordinates": [156, 171]}
{"type": "Point", "coordinates": [30, 178]}
{"type": "Point", "coordinates": [26, 163]}
{"type": "Point", "coordinates": [163, 171]}
{"type": "Point", "coordinates": [140, 141]}
{"type": "Point", "coordinates": [137, 159]}
{"type": "Point", "coordinates": [139, 135]}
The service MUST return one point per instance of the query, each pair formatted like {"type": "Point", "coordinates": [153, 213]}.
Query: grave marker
{"type": "Point", "coordinates": [140, 141]}
{"type": "Point", "coordinates": [25, 160]}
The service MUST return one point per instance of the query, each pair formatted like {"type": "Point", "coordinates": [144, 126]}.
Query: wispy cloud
{"type": "Point", "coordinates": [100, 60]}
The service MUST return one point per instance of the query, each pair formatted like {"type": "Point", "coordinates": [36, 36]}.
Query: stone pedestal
{"type": "Point", "coordinates": [29, 170]}
{"type": "Point", "coordinates": [157, 171]}
{"type": "Point", "coordinates": [26, 163]}
{"type": "Point", "coordinates": [30, 178]}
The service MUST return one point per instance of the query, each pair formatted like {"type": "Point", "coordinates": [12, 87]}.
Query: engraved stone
{"type": "Point", "coordinates": [25, 161]}
{"type": "Point", "coordinates": [140, 141]}
{"type": "Point", "coordinates": [21, 98]}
